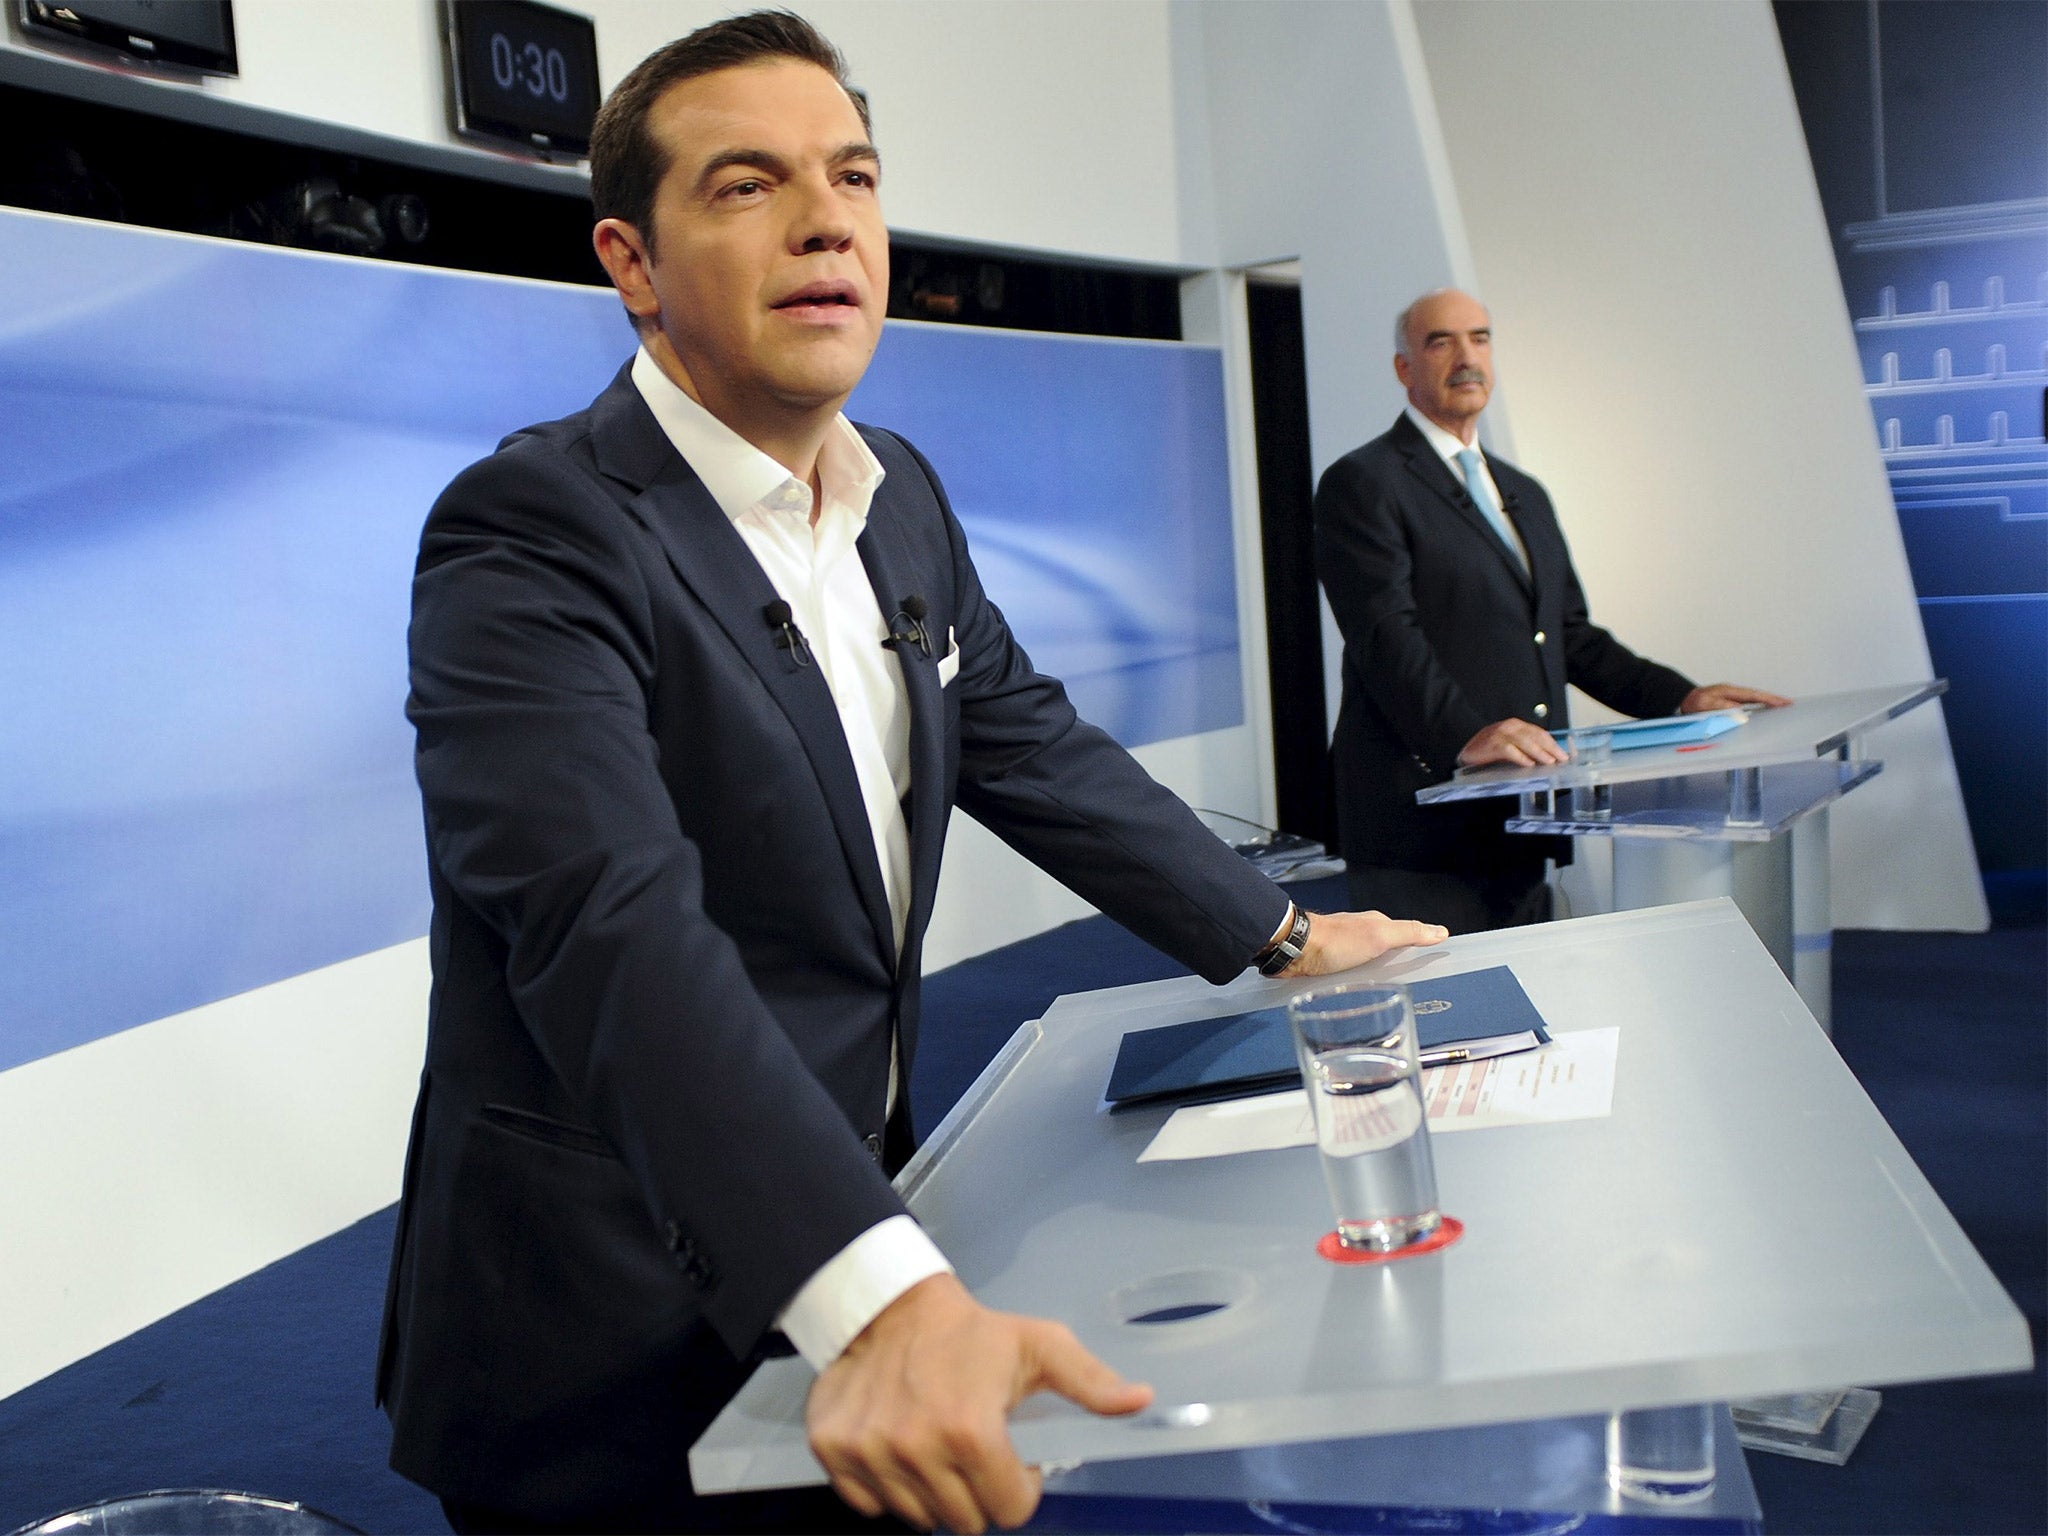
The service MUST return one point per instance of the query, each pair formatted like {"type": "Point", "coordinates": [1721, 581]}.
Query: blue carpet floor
{"type": "Point", "coordinates": [266, 1384]}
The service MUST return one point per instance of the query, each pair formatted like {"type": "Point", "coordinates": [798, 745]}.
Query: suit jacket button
{"type": "Point", "coordinates": [874, 1145]}
{"type": "Point", "coordinates": [673, 1235]}
{"type": "Point", "coordinates": [1542, 711]}
{"type": "Point", "coordinates": [1540, 637]}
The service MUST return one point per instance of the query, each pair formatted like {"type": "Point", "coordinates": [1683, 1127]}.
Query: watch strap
{"type": "Point", "coordinates": [1286, 949]}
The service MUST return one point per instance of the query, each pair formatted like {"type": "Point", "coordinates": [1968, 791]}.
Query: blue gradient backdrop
{"type": "Point", "coordinates": [214, 462]}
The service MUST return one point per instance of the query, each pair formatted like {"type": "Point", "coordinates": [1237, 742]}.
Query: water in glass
{"type": "Point", "coordinates": [1369, 1127]}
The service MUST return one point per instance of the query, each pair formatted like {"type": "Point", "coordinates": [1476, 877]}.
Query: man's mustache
{"type": "Point", "coordinates": [1467, 376]}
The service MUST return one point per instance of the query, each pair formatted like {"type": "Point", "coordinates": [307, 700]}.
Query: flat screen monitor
{"type": "Point", "coordinates": [523, 74]}
{"type": "Point", "coordinates": [187, 34]}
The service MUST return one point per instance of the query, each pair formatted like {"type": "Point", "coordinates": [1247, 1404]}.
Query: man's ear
{"type": "Point", "coordinates": [624, 256]}
{"type": "Point", "coordinates": [1400, 362]}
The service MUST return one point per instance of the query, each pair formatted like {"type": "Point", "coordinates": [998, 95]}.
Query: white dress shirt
{"type": "Point", "coordinates": [1448, 448]}
{"type": "Point", "coordinates": [815, 568]}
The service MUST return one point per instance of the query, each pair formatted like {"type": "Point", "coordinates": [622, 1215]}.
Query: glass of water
{"type": "Point", "coordinates": [1363, 1073]}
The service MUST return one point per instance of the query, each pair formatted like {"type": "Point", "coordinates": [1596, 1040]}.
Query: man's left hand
{"type": "Point", "coordinates": [1339, 940]}
{"type": "Point", "coordinates": [1727, 696]}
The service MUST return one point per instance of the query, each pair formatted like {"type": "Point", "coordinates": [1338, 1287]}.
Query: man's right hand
{"type": "Point", "coordinates": [1516, 742]}
{"type": "Point", "coordinates": [913, 1417]}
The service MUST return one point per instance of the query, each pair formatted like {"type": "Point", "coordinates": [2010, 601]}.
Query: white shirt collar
{"type": "Point", "coordinates": [740, 476]}
{"type": "Point", "coordinates": [1446, 444]}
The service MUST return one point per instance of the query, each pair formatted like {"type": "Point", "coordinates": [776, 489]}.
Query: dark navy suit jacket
{"type": "Point", "coordinates": [665, 977]}
{"type": "Point", "coordinates": [1445, 633]}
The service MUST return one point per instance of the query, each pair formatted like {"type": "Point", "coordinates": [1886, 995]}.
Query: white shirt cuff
{"type": "Point", "coordinates": [851, 1289]}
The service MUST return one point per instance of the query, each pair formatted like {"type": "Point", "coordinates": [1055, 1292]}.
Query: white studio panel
{"type": "Point", "coordinates": [368, 64]}
{"type": "Point", "coordinates": [144, 1170]}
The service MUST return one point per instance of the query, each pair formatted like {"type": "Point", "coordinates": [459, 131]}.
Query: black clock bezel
{"type": "Point", "coordinates": [477, 123]}
{"type": "Point", "coordinates": [99, 39]}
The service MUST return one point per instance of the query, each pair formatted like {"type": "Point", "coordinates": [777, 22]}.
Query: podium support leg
{"type": "Point", "coordinates": [1813, 918]}
{"type": "Point", "coordinates": [1654, 871]}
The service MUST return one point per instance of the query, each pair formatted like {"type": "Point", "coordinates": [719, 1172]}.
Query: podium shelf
{"type": "Point", "coordinates": [1821, 726]}
{"type": "Point", "coordinates": [1698, 806]}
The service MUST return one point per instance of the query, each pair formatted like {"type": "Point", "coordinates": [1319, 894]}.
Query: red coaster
{"type": "Point", "coordinates": [1332, 1247]}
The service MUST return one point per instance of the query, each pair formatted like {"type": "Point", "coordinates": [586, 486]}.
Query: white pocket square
{"type": "Point", "coordinates": [949, 664]}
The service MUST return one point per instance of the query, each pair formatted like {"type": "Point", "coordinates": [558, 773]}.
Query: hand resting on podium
{"type": "Point", "coordinates": [1726, 696]}
{"type": "Point", "coordinates": [912, 1418]}
{"type": "Point", "coordinates": [1520, 744]}
{"type": "Point", "coordinates": [1517, 743]}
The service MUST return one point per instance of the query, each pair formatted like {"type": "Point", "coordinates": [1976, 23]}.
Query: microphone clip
{"type": "Point", "coordinates": [788, 637]}
{"type": "Point", "coordinates": [907, 627]}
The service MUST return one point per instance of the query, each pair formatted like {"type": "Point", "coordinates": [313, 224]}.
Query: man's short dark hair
{"type": "Point", "coordinates": [627, 162]}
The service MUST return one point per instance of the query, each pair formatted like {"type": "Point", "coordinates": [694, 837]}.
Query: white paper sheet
{"type": "Point", "coordinates": [1572, 1078]}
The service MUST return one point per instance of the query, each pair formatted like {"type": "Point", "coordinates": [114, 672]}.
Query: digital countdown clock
{"type": "Point", "coordinates": [523, 74]}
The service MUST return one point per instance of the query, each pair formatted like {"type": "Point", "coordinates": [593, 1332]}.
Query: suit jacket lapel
{"type": "Point", "coordinates": [893, 575]}
{"type": "Point", "coordinates": [1428, 467]}
{"type": "Point", "coordinates": [714, 563]}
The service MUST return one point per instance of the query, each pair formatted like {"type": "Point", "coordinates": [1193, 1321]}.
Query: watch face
{"type": "Point", "coordinates": [524, 72]}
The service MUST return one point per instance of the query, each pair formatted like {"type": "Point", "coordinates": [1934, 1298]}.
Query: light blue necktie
{"type": "Point", "coordinates": [1482, 494]}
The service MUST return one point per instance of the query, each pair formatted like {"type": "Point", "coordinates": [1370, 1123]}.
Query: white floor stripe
{"type": "Point", "coordinates": [141, 1172]}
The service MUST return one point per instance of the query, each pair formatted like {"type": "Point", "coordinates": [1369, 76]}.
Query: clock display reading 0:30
{"type": "Point", "coordinates": [543, 72]}
{"type": "Point", "coordinates": [524, 73]}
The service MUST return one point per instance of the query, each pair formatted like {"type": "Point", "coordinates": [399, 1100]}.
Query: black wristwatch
{"type": "Point", "coordinates": [1284, 951]}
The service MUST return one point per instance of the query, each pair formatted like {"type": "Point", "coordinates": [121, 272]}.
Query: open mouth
{"type": "Point", "coordinates": [820, 296]}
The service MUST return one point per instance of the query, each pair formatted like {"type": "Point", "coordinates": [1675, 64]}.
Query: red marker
{"type": "Point", "coordinates": [1700, 746]}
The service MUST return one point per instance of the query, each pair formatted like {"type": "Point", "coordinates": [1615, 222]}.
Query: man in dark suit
{"type": "Point", "coordinates": [1463, 622]}
{"type": "Point", "coordinates": [698, 675]}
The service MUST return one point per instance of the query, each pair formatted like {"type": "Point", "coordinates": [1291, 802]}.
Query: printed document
{"type": "Point", "coordinates": [1571, 1078]}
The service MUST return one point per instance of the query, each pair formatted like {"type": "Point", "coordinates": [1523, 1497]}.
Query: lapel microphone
{"type": "Point", "coordinates": [787, 636]}
{"type": "Point", "coordinates": [906, 625]}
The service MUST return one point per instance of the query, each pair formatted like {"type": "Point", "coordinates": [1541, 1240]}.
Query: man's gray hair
{"type": "Point", "coordinates": [1401, 328]}
{"type": "Point", "coordinates": [1401, 320]}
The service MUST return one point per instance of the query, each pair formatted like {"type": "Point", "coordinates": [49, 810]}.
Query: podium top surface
{"type": "Point", "coordinates": [1803, 730]}
{"type": "Point", "coordinates": [1743, 1223]}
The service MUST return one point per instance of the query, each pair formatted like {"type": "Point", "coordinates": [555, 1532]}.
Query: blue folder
{"type": "Point", "coordinates": [1667, 731]}
{"type": "Point", "coordinates": [1464, 1017]}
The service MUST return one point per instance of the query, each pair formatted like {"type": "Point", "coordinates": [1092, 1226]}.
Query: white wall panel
{"type": "Point", "coordinates": [371, 64]}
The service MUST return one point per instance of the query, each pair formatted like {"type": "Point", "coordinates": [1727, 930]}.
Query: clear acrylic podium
{"type": "Point", "coordinates": [1744, 815]}
{"type": "Point", "coordinates": [1744, 1223]}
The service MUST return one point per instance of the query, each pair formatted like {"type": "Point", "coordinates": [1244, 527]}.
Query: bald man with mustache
{"type": "Point", "coordinates": [1463, 623]}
